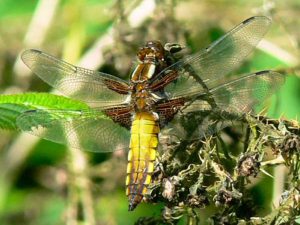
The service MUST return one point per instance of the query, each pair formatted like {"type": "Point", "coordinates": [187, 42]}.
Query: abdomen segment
{"type": "Point", "coordinates": [141, 156]}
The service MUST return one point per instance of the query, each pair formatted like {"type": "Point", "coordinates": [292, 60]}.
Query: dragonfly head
{"type": "Point", "coordinates": [152, 51]}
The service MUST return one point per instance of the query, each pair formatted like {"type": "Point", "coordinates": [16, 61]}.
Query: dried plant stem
{"type": "Point", "coordinates": [278, 184]}
{"type": "Point", "coordinates": [16, 155]}
{"type": "Point", "coordinates": [278, 52]}
{"type": "Point", "coordinates": [93, 58]}
{"type": "Point", "coordinates": [80, 197]}
{"type": "Point", "coordinates": [36, 33]}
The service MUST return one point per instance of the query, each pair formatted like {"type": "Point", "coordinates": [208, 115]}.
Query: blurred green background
{"type": "Point", "coordinates": [39, 179]}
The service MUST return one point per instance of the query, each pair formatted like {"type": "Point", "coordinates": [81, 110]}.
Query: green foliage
{"type": "Point", "coordinates": [12, 8]}
{"type": "Point", "coordinates": [12, 106]}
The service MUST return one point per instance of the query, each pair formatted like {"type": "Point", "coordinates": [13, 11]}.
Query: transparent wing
{"type": "Point", "coordinates": [86, 130]}
{"type": "Point", "coordinates": [198, 125]}
{"type": "Point", "coordinates": [95, 88]}
{"type": "Point", "coordinates": [206, 114]}
{"type": "Point", "coordinates": [240, 95]}
{"type": "Point", "coordinates": [212, 64]}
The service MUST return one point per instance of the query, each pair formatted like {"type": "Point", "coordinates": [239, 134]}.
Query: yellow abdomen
{"type": "Point", "coordinates": [141, 156]}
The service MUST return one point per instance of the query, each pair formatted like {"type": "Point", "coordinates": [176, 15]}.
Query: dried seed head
{"type": "Point", "coordinates": [173, 213]}
{"type": "Point", "coordinates": [290, 146]}
{"type": "Point", "coordinates": [197, 201]}
{"type": "Point", "coordinates": [227, 197]}
{"type": "Point", "coordinates": [168, 189]}
{"type": "Point", "coordinates": [248, 165]}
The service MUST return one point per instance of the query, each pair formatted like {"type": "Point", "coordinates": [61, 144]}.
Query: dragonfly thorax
{"type": "Point", "coordinates": [143, 72]}
{"type": "Point", "coordinates": [141, 97]}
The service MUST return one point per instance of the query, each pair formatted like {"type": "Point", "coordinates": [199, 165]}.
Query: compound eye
{"type": "Point", "coordinates": [173, 48]}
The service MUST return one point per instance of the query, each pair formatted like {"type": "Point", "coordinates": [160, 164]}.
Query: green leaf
{"type": "Point", "coordinates": [297, 220]}
{"type": "Point", "coordinates": [11, 106]}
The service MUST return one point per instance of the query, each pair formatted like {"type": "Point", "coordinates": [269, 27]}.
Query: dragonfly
{"type": "Point", "coordinates": [162, 93]}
